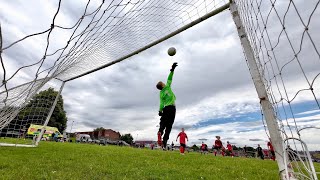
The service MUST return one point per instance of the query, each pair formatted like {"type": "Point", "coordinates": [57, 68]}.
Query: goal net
{"type": "Point", "coordinates": [95, 35]}
{"type": "Point", "coordinates": [285, 43]}
{"type": "Point", "coordinates": [77, 39]}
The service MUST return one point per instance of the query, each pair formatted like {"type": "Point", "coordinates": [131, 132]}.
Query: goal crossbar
{"type": "Point", "coordinates": [185, 27]}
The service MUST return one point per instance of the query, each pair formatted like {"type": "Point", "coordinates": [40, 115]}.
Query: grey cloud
{"type": "Point", "coordinates": [178, 127]}
{"type": "Point", "coordinates": [256, 140]}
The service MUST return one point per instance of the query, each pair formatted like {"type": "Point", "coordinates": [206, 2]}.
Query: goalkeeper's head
{"type": "Point", "coordinates": [160, 85]}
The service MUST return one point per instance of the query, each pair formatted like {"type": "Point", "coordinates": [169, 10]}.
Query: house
{"type": "Point", "coordinates": [103, 134]}
{"type": "Point", "coordinates": [145, 143]}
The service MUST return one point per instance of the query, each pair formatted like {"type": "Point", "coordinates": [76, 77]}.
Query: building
{"type": "Point", "coordinates": [103, 134]}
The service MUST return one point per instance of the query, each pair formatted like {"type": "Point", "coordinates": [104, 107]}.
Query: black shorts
{"type": "Point", "coordinates": [217, 147]}
{"type": "Point", "coordinates": [183, 145]}
{"type": "Point", "coordinates": [272, 152]}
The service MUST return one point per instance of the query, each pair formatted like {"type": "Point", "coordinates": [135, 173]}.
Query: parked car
{"type": "Point", "coordinates": [103, 142]}
{"type": "Point", "coordinates": [83, 138]}
{"type": "Point", "coordinates": [95, 141]}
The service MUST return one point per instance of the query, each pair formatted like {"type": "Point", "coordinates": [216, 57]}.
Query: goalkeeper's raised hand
{"type": "Point", "coordinates": [174, 65]}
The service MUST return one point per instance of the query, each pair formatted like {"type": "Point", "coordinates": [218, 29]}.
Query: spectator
{"type": "Point", "coordinates": [245, 149]}
{"type": "Point", "coordinates": [260, 153]}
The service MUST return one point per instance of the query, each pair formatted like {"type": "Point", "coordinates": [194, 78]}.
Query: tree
{"type": "Point", "coordinates": [127, 138]}
{"type": "Point", "coordinates": [38, 109]}
{"type": "Point", "coordinates": [98, 129]}
{"type": "Point", "coordinates": [195, 148]}
{"type": "Point", "coordinates": [234, 147]}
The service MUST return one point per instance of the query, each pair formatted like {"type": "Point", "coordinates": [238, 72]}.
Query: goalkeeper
{"type": "Point", "coordinates": [167, 109]}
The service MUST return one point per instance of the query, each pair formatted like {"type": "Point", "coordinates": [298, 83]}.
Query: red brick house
{"type": "Point", "coordinates": [103, 134]}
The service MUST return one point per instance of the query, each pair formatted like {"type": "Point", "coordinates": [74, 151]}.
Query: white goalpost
{"type": "Point", "coordinates": [279, 43]}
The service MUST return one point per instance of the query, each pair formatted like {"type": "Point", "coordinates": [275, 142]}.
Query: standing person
{"type": "Point", "coordinates": [52, 136]}
{"type": "Point", "coordinates": [229, 147]}
{"type": "Point", "coordinates": [203, 146]}
{"type": "Point", "coordinates": [23, 132]}
{"type": "Point", "coordinates": [167, 109]}
{"type": "Point", "coordinates": [218, 146]}
{"type": "Point", "coordinates": [183, 136]}
{"type": "Point", "coordinates": [56, 136]}
{"type": "Point", "coordinates": [260, 153]}
{"type": "Point", "coordinates": [245, 150]}
{"type": "Point", "coordinates": [270, 147]}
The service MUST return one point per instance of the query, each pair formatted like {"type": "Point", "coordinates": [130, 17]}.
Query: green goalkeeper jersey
{"type": "Point", "coordinates": [167, 97]}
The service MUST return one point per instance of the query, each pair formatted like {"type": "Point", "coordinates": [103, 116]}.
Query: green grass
{"type": "Point", "coordinates": [15, 140]}
{"type": "Point", "coordinates": [84, 161]}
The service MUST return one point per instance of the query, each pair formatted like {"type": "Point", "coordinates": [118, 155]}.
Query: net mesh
{"type": "Point", "coordinates": [96, 34]}
{"type": "Point", "coordinates": [283, 36]}
{"type": "Point", "coordinates": [24, 115]}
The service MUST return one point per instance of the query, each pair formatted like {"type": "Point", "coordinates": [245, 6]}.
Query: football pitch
{"type": "Point", "coordinates": [53, 160]}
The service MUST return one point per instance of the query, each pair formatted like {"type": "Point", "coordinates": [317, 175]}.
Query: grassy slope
{"type": "Point", "coordinates": [82, 161]}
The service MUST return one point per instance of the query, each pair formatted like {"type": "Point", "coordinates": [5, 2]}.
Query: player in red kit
{"type": "Point", "coordinates": [204, 148]}
{"type": "Point", "coordinates": [271, 149]}
{"type": "Point", "coordinates": [183, 136]}
{"type": "Point", "coordinates": [229, 147]}
{"type": "Point", "coordinates": [218, 146]}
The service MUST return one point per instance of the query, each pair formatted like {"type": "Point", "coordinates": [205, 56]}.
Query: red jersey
{"type": "Point", "coordinates": [183, 137]}
{"type": "Point", "coordinates": [229, 147]}
{"type": "Point", "coordinates": [270, 146]}
{"type": "Point", "coordinates": [203, 146]}
{"type": "Point", "coordinates": [218, 143]}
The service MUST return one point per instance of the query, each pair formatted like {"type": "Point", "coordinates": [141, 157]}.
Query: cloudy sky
{"type": "Point", "coordinates": [214, 90]}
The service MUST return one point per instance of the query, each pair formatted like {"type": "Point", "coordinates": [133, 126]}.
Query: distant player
{"type": "Point", "coordinates": [245, 150]}
{"type": "Point", "coordinates": [270, 147]}
{"type": "Point", "coordinates": [218, 146]}
{"type": "Point", "coordinates": [167, 109]}
{"type": "Point", "coordinates": [183, 136]}
{"type": "Point", "coordinates": [260, 152]}
{"type": "Point", "coordinates": [229, 147]}
{"type": "Point", "coordinates": [204, 148]}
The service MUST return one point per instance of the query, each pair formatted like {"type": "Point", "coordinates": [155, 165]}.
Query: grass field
{"type": "Point", "coordinates": [84, 161]}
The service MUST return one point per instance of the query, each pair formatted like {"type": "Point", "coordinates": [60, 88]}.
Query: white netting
{"type": "Point", "coordinates": [25, 113]}
{"type": "Point", "coordinates": [96, 33]}
{"type": "Point", "coordinates": [101, 32]}
{"type": "Point", "coordinates": [284, 37]}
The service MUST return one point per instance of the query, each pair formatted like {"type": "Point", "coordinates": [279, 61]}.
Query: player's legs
{"type": "Point", "coordinates": [163, 120]}
{"type": "Point", "coordinates": [218, 150]}
{"type": "Point", "coordinates": [215, 151]}
{"type": "Point", "coordinates": [182, 148]}
{"type": "Point", "coordinates": [273, 155]}
{"type": "Point", "coordinates": [170, 114]}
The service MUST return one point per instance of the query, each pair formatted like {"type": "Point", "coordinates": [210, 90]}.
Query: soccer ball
{"type": "Point", "coordinates": [172, 51]}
